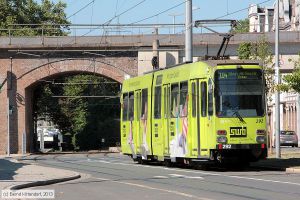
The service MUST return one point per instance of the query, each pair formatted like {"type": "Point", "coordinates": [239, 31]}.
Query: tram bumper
{"type": "Point", "coordinates": [246, 152]}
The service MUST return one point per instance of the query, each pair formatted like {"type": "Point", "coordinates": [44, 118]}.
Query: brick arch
{"type": "Point", "coordinates": [71, 65]}
{"type": "Point", "coordinates": [29, 72]}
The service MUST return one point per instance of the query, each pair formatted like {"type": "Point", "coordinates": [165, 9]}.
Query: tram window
{"type": "Point", "coordinates": [165, 103]}
{"type": "Point", "coordinates": [183, 105]}
{"type": "Point", "coordinates": [144, 104]}
{"type": "Point", "coordinates": [203, 99]}
{"type": "Point", "coordinates": [157, 103]}
{"type": "Point", "coordinates": [174, 100]}
{"type": "Point", "coordinates": [210, 98]}
{"type": "Point", "coordinates": [131, 106]}
{"type": "Point", "coordinates": [138, 105]}
{"type": "Point", "coordinates": [159, 79]}
{"type": "Point", "coordinates": [194, 100]}
{"type": "Point", "coordinates": [125, 107]}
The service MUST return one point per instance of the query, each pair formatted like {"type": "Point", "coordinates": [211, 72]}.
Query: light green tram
{"type": "Point", "coordinates": [202, 111]}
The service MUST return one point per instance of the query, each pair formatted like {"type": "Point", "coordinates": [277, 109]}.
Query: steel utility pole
{"type": "Point", "coordinates": [277, 79]}
{"type": "Point", "coordinates": [155, 59]}
{"type": "Point", "coordinates": [188, 31]}
{"type": "Point", "coordinates": [298, 118]}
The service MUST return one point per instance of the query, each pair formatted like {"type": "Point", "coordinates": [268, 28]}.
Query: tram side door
{"type": "Point", "coordinates": [166, 117]}
{"type": "Point", "coordinates": [205, 117]}
{"type": "Point", "coordinates": [144, 124]}
{"type": "Point", "coordinates": [157, 132]}
{"type": "Point", "coordinates": [125, 134]}
{"type": "Point", "coordinates": [128, 125]}
{"type": "Point", "coordinates": [198, 117]}
{"type": "Point", "coordinates": [138, 134]}
{"type": "Point", "coordinates": [194, 117]}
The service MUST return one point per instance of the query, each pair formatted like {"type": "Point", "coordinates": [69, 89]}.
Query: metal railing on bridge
{"type": "Point", "coordinates": [80, 30]}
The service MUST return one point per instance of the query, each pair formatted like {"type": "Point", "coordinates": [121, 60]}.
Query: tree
{"type": "Point", "coordinates": [261, 51]}
{"type": "Point", "coordinates": [242, 26]}
{"type": "Point", "coordinates": [292, 81]}
{"type": "Point", "coordinates": [86, 120]}
{"type": "Point", "coordinates": [245, 50]}
{"type": "Point", "coordinates": [46, 105]}
{"type": "Point", "coordinates": [47, 14]}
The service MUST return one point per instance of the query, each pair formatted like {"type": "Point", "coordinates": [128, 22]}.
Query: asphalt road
{"type": "Point", "coordinates": [114, 176]}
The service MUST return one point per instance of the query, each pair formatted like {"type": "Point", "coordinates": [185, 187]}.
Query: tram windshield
{"type": "Point", "coordinates": [239, 93]}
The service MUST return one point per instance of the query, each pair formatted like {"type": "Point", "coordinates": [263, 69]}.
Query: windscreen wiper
{"type": "Point", "coordinates": [235, 112]}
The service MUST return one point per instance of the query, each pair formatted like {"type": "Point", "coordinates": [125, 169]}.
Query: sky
{"type": "Point", "coordinates": [101, 11]}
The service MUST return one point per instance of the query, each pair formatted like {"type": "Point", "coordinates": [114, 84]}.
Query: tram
{"type": "Point", "coordinates": [203, 111]}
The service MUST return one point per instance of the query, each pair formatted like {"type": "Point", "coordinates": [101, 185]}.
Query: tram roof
{"type": "Point", "coordinates": [212, 63]}
{"type": "Point", "coordinates": [232, 62]}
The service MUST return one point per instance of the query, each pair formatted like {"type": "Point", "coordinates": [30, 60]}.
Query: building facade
{"type": "Point", "coordinates": [262, 19]}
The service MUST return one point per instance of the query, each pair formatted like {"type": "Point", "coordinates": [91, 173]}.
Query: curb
{"type": "Point", "coordinates": [273, 168]}
{"type": "Point", "coordinates": [46, 182]}
{"type": "Point", "coordinates": [67, 153]}
{"type": "Point", "coordinates": [293, 170]}
{"type": "Point", "coordinates": [287, 170]}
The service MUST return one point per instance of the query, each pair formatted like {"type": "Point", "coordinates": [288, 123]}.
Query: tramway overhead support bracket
{"type": "Point", "coordinates": [226, 36]}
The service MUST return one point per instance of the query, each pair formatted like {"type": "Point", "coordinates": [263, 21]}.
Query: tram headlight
{"type": "Point", "coordinates": [260, 139]}
{"type": "Point", "coordinates": [222, 139]}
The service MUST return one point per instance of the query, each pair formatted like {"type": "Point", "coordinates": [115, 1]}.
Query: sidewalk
{"type": "Point", "coordinates": [18, 175]}
{"type": "Point", "coordinates": [289, 161]}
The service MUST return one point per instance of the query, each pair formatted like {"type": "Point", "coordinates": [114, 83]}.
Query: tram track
{"type": "Point", "coordinates": [121, 175]}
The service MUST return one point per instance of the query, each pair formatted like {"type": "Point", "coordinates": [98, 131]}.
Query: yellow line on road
{"type": "Point", "coordinates": [162, 190]}
{"type": "Point", "coordinates": [158, 189]}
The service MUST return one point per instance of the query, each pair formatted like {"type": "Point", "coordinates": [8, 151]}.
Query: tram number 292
{"type": "Point", "coordinates": [226, 146]}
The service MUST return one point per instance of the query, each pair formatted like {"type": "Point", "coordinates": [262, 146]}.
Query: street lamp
{"type": "Point", "coordinates": [174, 15]}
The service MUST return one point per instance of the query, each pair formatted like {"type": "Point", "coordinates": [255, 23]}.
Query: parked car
{"type": "Point", "coordinates": [288, 138]}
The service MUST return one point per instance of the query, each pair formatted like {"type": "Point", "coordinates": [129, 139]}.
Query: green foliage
{"type": "Point", "coordinates": [292, 81]}
{"type": "Point", "coordinates": [87, 120]}
{"type": "Point", "coordinates": [30, 12]}
{"type": "Point", "coordinates": [46, 105]}
{"type": "Point", "coordinates": [261, 51]}
{"type": "Point", "coordinates": [244, 50]}
{"type": "Point", "coordinates": [242, 26]}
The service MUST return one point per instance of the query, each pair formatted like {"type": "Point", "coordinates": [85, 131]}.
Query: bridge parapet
{"type": "Point", "coordinates": [142, 41]}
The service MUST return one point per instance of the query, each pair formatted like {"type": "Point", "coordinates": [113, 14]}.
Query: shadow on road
{"type": "Point", "coordinates": [263, 165]}
{"type": "Point", "coordinates": [8, 169]}
{"type": "Point", "coordinates": [278, 163]}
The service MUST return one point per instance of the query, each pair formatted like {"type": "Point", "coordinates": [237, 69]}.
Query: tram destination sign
{"type": "Point", "coordinates": [238, 74]}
